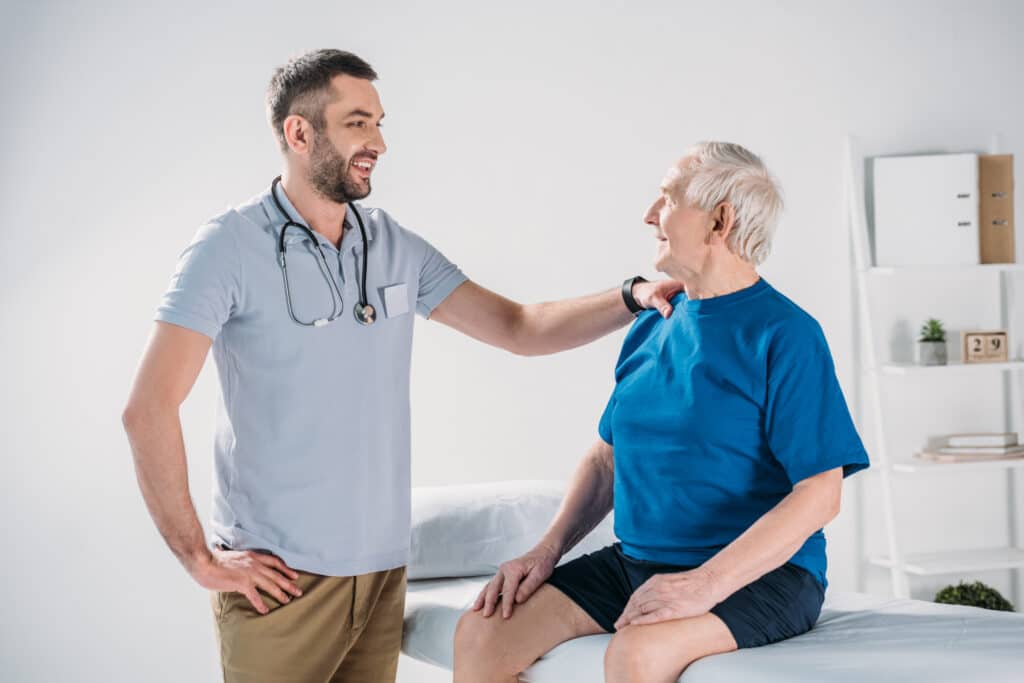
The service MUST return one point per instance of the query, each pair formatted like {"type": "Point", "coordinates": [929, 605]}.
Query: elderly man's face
{"type": "Point", "coordinates": [682, 231]}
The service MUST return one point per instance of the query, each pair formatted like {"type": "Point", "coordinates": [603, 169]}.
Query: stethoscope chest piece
{"type": "Point", "coordinates": [365, 314]}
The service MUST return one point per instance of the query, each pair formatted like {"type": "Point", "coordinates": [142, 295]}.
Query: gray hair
{"type": "Point", "coordinates": [719, 172]}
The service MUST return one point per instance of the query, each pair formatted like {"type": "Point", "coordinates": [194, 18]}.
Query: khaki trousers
{"type": "Point", "coordinates": [344, 629]}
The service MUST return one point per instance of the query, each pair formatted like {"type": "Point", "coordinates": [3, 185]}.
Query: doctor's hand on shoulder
{"type": "Point", "coordinates": [517, 580]}
{"type": "Point", "coordinates": [657, 294]}
{"type": "Point", "coordinates": [247, 572]}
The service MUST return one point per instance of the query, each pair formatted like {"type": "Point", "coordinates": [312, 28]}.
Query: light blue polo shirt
{"type": "Point", "coordinates": [312, 439]}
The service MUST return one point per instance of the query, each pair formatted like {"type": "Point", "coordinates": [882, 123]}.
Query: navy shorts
{"type": "Point", "coordinates": [781, 604]}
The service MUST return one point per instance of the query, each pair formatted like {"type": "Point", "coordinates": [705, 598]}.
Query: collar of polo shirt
{"type": "Point", "coordinates": [277, 220]}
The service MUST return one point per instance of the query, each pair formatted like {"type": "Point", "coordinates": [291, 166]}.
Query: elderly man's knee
{"type": "Point", "coordinates": [478, 638]}
{"type": "Point", "coordinates": [631, 657]}
{"type": "Point", "coordinates": [468, 632]}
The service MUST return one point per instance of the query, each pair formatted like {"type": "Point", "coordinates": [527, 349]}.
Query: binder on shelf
{"type": "Point", "coordinates": [995, 208]}
{"type": "Point", "coordinates": [926, 210]}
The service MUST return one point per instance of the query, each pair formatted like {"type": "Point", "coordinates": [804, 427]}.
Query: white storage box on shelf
{"type": "Point", "coordinates": [926, 210]}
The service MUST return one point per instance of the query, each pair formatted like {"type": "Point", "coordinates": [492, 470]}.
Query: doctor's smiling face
{"type": "Point", "coordinates": [326, 115]}
{"type": "Point", "coordinates": [344, 148]}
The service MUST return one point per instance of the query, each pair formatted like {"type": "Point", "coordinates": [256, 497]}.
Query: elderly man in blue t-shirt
{"type": "Point", "coordinates": [723, 446]}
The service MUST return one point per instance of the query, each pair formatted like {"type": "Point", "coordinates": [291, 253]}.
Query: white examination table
{"type": "Point", "coordinates": [859, 639]}
{"type": "Point", "coordinates": [468, 530]}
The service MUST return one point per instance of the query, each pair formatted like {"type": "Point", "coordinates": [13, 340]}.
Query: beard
{"type": "Point", "coordinates": [329, 173]}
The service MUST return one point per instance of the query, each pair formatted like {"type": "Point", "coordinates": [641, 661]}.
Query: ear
{"type": "Point", "coordinates": [724, 216]}
{"type": "Point", "coordinates": [298, 133]}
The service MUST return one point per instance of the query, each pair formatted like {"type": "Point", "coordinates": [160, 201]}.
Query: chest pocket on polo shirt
{"type": "Point", "coordinates": [396, 299]}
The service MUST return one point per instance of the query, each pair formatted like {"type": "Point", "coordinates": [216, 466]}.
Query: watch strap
{"type": "Point", "coordinates": [627, 294]}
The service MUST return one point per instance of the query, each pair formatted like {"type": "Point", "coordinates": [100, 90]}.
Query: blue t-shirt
{"type": "Point", "coordinates": [717, 413]}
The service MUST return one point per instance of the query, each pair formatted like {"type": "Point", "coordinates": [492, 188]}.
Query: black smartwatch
{"type": "Point", "coordinates": [627, 294]}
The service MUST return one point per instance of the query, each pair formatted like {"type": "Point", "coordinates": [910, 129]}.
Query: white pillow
{"type": "Point", "coordinates": [470, 529]}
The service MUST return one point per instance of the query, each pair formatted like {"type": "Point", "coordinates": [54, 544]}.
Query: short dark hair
{"type": "Point", "coordinates": [302, 86]}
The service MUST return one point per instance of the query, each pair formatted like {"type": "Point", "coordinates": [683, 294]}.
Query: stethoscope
{"type": "Point", "coordinates": [363, 311]}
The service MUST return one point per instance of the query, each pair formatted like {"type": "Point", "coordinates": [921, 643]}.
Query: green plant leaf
{"type": "Point", "coordinates": [974, 594]}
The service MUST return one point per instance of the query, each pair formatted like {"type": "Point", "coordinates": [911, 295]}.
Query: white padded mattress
{"type": "Point", "coordinates": [859, 638]}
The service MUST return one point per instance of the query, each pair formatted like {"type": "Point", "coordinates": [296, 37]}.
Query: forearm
{"type": "Point", "coordinates": [771, 541]}
{"type": "Point", "coordinates": [554, 326]}
{"type": "Point", "coordinates": [160, 467]}
{"type": "Point", "coordinates": [587, 501]}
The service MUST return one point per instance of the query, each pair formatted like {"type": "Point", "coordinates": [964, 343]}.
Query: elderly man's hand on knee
{"type": "Point", "coordinates": [669, 596]}
{"type": "Point", "coordinates": [517, 580]}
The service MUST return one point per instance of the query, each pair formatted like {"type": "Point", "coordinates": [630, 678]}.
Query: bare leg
{"type": "Point", "coordinates": [497, 650]}
{"type": "Point", "coordinates": [658, 653]}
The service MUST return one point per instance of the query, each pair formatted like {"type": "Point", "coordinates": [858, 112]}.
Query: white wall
{"type": "Point", "coordinates": [524, 141]}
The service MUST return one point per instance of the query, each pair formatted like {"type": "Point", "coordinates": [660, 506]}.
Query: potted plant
{"type": "Point", "coordinates": [932, 344]}
{"type": "Point", "coordinates": [975, 594]}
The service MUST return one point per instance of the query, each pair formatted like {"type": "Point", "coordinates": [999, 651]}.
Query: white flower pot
{"type": "Point", "coordinates": [931, 352]}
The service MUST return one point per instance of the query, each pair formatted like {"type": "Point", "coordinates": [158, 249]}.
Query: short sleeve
{"type": "Point", "coordinates": [438, 278]}
{"type": "Point", "coordinates": [604, 426]}
{"type": "Point", "coordinates": [808, 424]}
{"type": "Point", "coordinates": [205, 288]}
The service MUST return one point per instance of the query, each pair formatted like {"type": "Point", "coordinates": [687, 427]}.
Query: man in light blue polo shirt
{"type": "Point", "coordinates": [307, 300]}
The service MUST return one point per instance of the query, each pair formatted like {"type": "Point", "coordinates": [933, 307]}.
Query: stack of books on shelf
{"type": "Point", "coordinates": [975, 448]}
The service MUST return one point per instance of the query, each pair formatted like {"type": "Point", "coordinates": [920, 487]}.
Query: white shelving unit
{"type": "Point", "coordinates": [950, 369]}
{"type": "Point", "coordinates": [957, 561]}
{"type": "Point", "coordinates": [874, 374]}
{"type": "Point", "coordinates": [956, 467]}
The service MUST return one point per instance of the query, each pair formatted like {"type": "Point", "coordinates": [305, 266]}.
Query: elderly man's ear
{"type": "Point", "coordinates": [724, 216]}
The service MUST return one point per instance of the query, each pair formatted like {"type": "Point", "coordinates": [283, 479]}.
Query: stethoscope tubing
{"type": "Point", "coordinates": [337, 303]}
